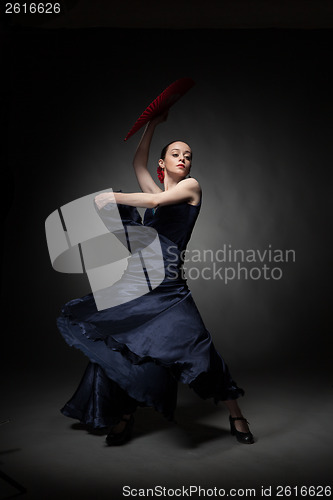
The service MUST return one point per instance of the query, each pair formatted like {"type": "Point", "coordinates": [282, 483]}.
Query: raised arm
{"type": "Point", "coordinates": [140, 161]}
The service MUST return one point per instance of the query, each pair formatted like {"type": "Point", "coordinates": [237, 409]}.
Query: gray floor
{"type": "Point", "coordinates": [52, 457]}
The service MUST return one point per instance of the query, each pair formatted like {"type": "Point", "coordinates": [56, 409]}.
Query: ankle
{"type": "Point", "coordinates": [236, 415]}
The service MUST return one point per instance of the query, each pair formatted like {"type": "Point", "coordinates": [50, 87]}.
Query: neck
{"type": "Point", "coordinates": [170, 183]}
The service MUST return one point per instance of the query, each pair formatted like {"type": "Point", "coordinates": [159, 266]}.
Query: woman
{"type": "Point", "coordinates": [141, 348]}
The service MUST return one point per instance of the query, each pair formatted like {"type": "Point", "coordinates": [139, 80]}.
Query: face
{"type": "Point", "coordinates": [177, 161]}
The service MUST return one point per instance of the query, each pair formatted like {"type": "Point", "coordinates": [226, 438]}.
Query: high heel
{"type": "Point", "coordinates": [118, 438]}
{"type": "Point", "coordinates": [242, 437]}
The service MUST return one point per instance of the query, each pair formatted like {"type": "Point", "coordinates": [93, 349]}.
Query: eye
{"type": "Point", "coordinates": [188, 158]}
{"type": "Point", "coordinates": [174, 154]}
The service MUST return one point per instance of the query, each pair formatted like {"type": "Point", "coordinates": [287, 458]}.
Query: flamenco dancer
{"type": "Point", "coordinates": [140, 349]}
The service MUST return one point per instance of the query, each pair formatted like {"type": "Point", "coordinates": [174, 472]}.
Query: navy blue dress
{"type": "Point", "coordinates": [140, 350]}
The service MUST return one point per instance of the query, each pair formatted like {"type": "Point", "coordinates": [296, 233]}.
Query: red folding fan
{"type": "Point", "coordinates": [163, 102]}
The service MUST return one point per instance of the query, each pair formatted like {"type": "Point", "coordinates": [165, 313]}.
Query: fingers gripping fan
{"type": "Point", "coordinates": [163, 102]}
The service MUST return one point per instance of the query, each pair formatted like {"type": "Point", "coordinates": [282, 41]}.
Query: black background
{"type": "Point", "coordinates": [259, 121]}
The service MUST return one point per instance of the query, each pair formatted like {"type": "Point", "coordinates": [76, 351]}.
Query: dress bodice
{"type": "Point", "coordinates": [174, 224]}
{"type": "Point", "coordinates": [175, 221]}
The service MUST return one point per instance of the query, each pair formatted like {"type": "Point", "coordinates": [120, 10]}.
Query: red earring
{"type": "Point", "coordinates": [160, 174]}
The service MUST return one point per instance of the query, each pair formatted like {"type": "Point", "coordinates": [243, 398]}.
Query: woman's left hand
{"type": "Point", "coordinates": [103, 199]}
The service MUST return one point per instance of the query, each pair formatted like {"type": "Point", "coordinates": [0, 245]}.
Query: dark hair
{"type": "Point", "coordinates": [165, 149]}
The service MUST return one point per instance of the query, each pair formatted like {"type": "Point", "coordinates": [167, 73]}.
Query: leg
{"type": "Point", "coordinates": [118, 428]}
{"type": "Point", "coordinates": [238, 424]}
{"type": "Point", "coordinates": [235, 411]}
{"type": "Point", "coordinates": [218, 383]}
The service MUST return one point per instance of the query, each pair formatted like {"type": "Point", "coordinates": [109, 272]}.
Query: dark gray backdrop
{"type": "Point", "coordinates": [259, 123]}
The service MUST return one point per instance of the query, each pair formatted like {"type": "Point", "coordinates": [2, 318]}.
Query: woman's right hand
{"type": "Point", "coordinates": [162, 117]}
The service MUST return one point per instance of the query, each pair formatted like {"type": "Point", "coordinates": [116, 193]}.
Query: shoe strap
{"type": "Point", "coordinates": [126, 419]}
{"type": "Point", "coordinates": [239, 418]}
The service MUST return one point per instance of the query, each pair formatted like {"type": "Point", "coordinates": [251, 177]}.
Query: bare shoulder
{"type": "Point", "coordinates": [190, 183]}
{"type": "Point", "coordinates": [195, 188]}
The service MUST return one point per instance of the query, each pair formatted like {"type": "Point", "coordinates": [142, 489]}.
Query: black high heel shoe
{"type": "Point", "coordinates": [118, 438]}
{"type": "Point", "coordinates": [242, 437]}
